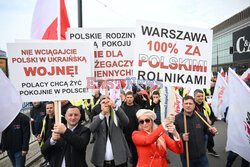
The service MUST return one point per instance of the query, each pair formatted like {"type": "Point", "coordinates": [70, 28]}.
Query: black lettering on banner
{"type": "Point", "coordinates": [57, 91]}
{"type": "Point", "coordinates": [141, 75]}
{"type": "Point", "coordinates": [174, 34]}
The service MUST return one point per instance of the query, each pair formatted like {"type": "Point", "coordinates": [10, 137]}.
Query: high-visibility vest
{"type": "Point", "coordinates": [206, 111]}
{"type": "Point", "coordinates": [92, 102]}
{"type": "Point", "coordinates": [208, 91]}
{"type": "Point", "coordinates": [85, 101]}
{"type": "Point", "coordinates": [77, 102]}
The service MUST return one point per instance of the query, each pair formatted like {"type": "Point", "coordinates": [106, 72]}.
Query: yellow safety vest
{"type": "Point", "coordinates": [208, 91]}
{"type": "Point", "coordinates": [92, 102]}
{"type": "Point", "coordinates": [206, 111]}
{"type": "Point", "coordinates": [86, 104]}
{"type": "Point", "coordinates": [77, 102]}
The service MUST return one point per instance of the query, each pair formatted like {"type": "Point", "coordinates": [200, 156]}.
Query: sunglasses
{"type": "Point", "coordinates": [146, 120]}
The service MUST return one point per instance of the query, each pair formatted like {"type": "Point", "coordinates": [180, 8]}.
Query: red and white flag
{"type": "Point", "coordinates": [238, 131]}
{"type": "Point", "coordinates": [222, 72]}
{"type": "Point", "coordinates": [220, 97]}
{"type": "Point", "coordinates": [246, 75]}
{"type": "Point", "coordinates": [45, 20]}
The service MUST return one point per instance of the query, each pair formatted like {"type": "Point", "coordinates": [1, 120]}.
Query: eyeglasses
{"type": "Point", "coordinates": [146, 120]}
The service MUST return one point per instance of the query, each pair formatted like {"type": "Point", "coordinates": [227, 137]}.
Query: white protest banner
{"type": "Point", "coordinates": [10, 101]}
{"type": "Point", "coordinates": [48, 71]}
{"type": "Point", "coordinates": [220, 97]}
{"type": "Point", "coordinates": [175, 55]}
{"type": "Point", "coordinates": [238, 130]}
{"type": "Point", "coordinates": [166, 102]}
{"type": "Point", "coordinates": [113, 50]}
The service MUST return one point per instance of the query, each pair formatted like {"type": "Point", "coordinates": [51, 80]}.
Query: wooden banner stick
{"type": "Point", "coordinates": [56, 112]}
{"type": "Point", "coordinates": [106, 88]}
{"type": "Point", "coordinates": [203, 120]}
{"type": "Point", "coordinates": [172, 100]}
{"type": "Point", "coordinates": [186, 142]}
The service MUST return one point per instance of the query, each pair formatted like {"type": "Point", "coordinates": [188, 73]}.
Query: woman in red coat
{"type": "Point", "coordinates": [152, 142]}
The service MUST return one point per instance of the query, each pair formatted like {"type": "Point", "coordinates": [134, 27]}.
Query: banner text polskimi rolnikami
{"type": "Point", "coordinates": [172, 64]}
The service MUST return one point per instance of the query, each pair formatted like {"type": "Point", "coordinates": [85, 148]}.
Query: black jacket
{"type": "Point", "coordinates": [37, 114]}
{"type": "Point", "coordinates": [49, 125]}
{"type": "Point", "coordinates": [96, 110]}
{"type": "Point", "coordinates": [17, 135]}
{"type": "Point", "coordinates": [139, 100]}
{"type": "Point", "coordinates": [71, 145]}
{"type": "Point", "coordinates": [65, 107]}
{"type": "Point", "coordinates": [197, 130]}
{"type": "Point", "coordinates": [199, 107]}
{"type": "Point", "coordinates": [130, 111]}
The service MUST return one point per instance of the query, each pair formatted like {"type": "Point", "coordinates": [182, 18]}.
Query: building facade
{"type": "Point", "coordinates": [3, 62]}
{"type": "Point", "coordinates": [231, 43]}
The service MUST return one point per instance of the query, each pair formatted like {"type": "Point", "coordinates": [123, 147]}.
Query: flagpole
{"type": "Point", "coordinates": [79, 13]}
{"type": "Point", "coordinates": [203, 119]}
{"type": "Point", "coordinates": [58, 102]}
{"type": "Point", "coordinates": [186, 142]}
{"type": "Point", "coordinates": [59, 20]}
{"type": "Point", "coordinates": [172, 100]}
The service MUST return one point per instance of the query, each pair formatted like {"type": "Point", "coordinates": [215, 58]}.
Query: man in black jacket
{"type": "Point", "coordinates": [195, 136]}
{"type": "Point", "coordinates": [37, 113]}
{"type": "Point", "coordinates": [141, 99]}
{"type": "Point", "coordinates": [203, 107]}
{"type": "Point", "coordinates": [67, 146]}
{"type": "Point", "coordinates": [15, 140]}
{"type": "Point", "coordinates": [130, 108]}
{"type": "Point", "coordinates": [155, 105]}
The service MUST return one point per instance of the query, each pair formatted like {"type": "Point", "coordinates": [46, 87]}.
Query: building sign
{"type": "Point", "coordinates": [241, 44]}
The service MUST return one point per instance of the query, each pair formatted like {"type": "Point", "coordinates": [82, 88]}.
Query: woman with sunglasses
{"type": "Point", "coordinates": [152, 142]}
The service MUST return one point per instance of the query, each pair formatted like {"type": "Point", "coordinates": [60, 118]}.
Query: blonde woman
{"type": "Point", "coordinates": [152, 142]}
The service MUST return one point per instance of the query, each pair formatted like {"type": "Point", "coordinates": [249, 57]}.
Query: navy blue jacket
{"type": "Point", "coordinates": [17, 135]}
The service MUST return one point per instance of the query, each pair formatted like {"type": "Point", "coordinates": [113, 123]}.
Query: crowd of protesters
{"type": "Point", "coordinates": [130, 133]}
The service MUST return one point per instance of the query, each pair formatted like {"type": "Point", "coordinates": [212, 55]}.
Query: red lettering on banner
{"type": "Point", "coordinates": [98, 54]}
{"type": "Point", "coordinates": [177, 104]}
{"type": "Point", "coordinates": [196, 50]}
{"type": "Point", "coordinates": [110, 64]}
{"type": "Point", "coordinates": [221, 92]}
{"type": "Point", "coordinates": [26, 52]}
{"type": "Point", "coordinates": [42, 71]}
{"type": "Point", "coordinates": [112, 54]}
{"type": "Point", "coordinates": [55, 51]}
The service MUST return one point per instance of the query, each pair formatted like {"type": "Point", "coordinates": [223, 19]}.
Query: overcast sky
{"type": "Point", "coordinates": [16, 15]}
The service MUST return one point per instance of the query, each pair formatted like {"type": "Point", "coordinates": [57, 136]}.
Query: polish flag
{"type": "Point", "coordinates": [246, 75]}
{"type": "Point", "coordinates": [222, 72]}
{"type": "Point", "coordinates": [45, 20]}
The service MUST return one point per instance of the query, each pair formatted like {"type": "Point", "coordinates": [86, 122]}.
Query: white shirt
{"type": "Point", "coordinates": [109, 152]}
